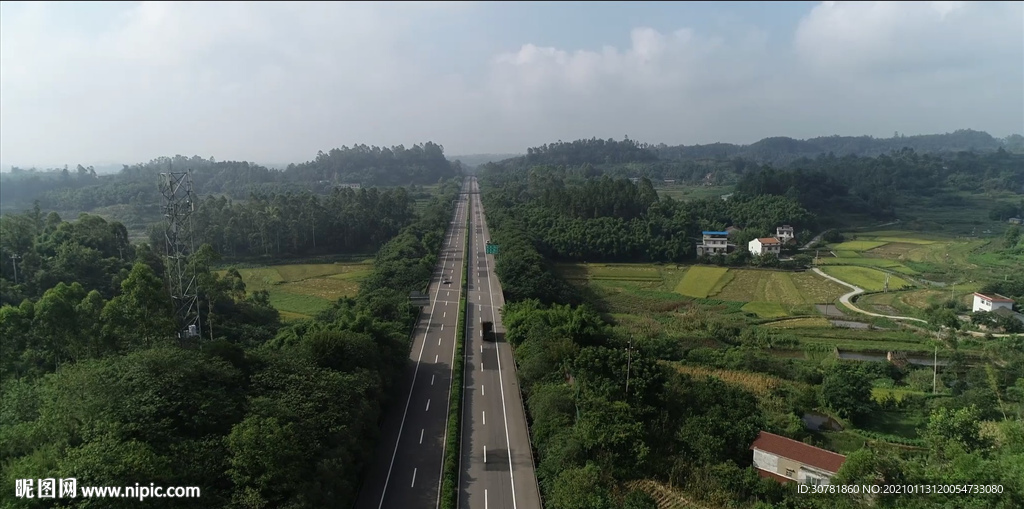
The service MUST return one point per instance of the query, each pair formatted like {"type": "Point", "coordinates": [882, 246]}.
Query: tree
{"type": "Point", "coordinates": [847, 390]}
{"type": "Point", "coordinates": [143, 313]}
{"type": "Point", "coordinates": [958, 428]}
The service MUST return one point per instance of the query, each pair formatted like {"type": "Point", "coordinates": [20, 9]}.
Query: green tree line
{"type": "Point", "coordinates": [261, 416]}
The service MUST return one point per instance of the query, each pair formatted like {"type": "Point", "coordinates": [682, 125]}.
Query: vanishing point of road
{"type": "Point", "coordinates": [407, 469]}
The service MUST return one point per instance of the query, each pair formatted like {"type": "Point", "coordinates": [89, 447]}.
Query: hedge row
{"type": "Point", "coordinates": [449, 487]}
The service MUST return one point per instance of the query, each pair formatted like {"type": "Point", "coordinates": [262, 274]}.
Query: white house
{"type": "Point", "coordinates": [714, 243]}
{"type": "Point", "coordinates": [786, 460]}
{"type": "Point", "coordinates": [991, 303]}
{"type": "Point", "coordinates": [784, 233]}
{"type": "Point", "coordinates": [764, 245]}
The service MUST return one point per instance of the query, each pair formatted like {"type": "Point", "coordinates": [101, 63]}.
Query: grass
{"type": "Point", "coordinates": [867, 278]}
{"type": "Point", "coordinates": [857, 245]}
{"type": "Point", "coordinates": [699, 281]}
{"type": "Point", "coordinates": [847, 254]}
{"type": "Point", "coordinates": [765, 309]}
{"type": "Point", "coordinates": [799, 323]}
{"type": "Point", "coordinates": [880, 393]}
{"type": "Point", "coordinates": [757, 383]}
{"type": "Point", "coordinates": [686, 193]}
{"type": "Point", "coordinates": [299, 291]}
{"type": "Point", "coordinates": [900, 423]}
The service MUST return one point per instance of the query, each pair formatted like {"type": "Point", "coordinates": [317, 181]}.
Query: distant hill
{"type": "Point", "coordinates": [776, 151]}
{"type": "Point", "coordinates": [780, 151]}
{"type": "Point", "coordinates": [474, 160]}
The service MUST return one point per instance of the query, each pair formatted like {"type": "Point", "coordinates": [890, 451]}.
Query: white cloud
{"type": "Point", "coordinates": [858, 37]}
{"type": "Point", "coordinates": [277, 81]}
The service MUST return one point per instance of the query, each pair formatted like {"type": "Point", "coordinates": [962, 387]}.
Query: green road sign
{"type": "Point", "coordinates": [491, 248]}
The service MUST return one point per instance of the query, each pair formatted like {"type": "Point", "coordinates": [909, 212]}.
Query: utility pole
{"type": "Point", "coordinates": [628, 359]}
{"type": "Point", "coordinates": [14, 261]}
{"type": "Point", "coordinates": [935, 369]}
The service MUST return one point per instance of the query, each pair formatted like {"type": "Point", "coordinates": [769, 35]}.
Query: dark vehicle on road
{"type": "Point", "coordinates": [487, 330]}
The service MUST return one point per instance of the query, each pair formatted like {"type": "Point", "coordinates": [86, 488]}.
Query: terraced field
{"type": "Point", "coordinates": [299, 291]}
{"type": "Point", "coordinates": [867, 278]}
{"type": "Point", "coordinates": [699, 281]}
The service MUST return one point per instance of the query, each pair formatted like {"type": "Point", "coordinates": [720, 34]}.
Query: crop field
{"type": "Point", "coordinates": [757, 383]}
{"type": "Point", "coordinates": [883, 263]}
{"type": "Point", "coordinates": [869, 279]}
{"type": "Point", "coordinates": [799, 323]}
{"type": "Point", "coordinates": [787, 288]}
{"type": "Point", "coordinates": [912, 302]}
{"type": "Point", "coordinates": [300, 291]}
{"type": "Point", "coordinates": [686, 193]}
{"type": "Point", "coordinates": [857, 245]}
{"type": "Point", "coordinates": [699, 281]}
{"type": "Point", "coordinates": [616, 271]}
{"type": "Point", "coordinates": [847, 254]}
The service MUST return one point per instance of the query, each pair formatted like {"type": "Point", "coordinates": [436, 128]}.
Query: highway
{"type": "Point", "coordinates": [407, 468]}
{"type": "Point", "coordinates": [496, 468]}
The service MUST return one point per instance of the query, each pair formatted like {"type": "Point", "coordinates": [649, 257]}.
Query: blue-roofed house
{"type": "Point", "coordinates": [715, 243]}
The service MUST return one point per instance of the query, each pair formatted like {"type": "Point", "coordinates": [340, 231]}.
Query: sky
{"type": "Point", "coordinates": [126, 82]}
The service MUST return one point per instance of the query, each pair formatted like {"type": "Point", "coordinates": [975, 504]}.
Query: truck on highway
{"type": "Point", "coordinates": [487, 330]}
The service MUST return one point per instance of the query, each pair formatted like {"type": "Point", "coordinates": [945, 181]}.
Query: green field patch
{"type": "Point", "coordinates": [867, 278]}
{"type": "Point", "coordinates": [857, 245]}
{"type": "Point", "coordinates": [847, 254]}
{"type": "Point", "coordinates": [623, 272]}
{"type": "Point", "coordinates": [299, 291]}
{"type": "Point", "coordinates": [905, 240]}
{"type": "Point", "coordinates": [699, 281]}
{"type": "Point", "coordinates": [298, 305]}
{"type": "Point", "coordinates": [787, 288]}
{"type": "Point", "coordinates": [870, 262]}
{"type": "Point", "coordinates": [765, 309]}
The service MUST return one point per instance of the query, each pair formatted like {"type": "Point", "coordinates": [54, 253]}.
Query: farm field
{"type": "Point", "coordinates": [299, 291]}
{"type": "Point", "coordinates": [699, 281]}
{"type": "Point", "coordinates": [686, 193]}
{"type": "Point", "coordinates": [883, 263]}
{"type": "Point", "coordinates": [857, 245]}
{"type": "Point", "coordinates": [867, 278]}
{"type": "Point", "coordinates": [786, 288]}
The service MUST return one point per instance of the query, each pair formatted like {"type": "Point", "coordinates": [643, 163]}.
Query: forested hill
{"type": "Point", "coordinates": [776, 151]}
{"type": "Point", "coordinates": [83, 190]}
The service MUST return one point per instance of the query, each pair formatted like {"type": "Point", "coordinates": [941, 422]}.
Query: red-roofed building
{"type": "Point", "coordinates": [786, 460]}
{"type": "Point", "coordinates": [991, 303]}
{"type": "Point", "coordinates": [764, 245]}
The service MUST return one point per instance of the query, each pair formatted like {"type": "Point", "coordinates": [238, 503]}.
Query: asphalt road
{"type": "Point", "coordinates": [496, 468]}
{"type": "Point", "coordinates": [407, 468]}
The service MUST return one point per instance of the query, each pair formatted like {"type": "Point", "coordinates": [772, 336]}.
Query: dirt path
{"type": "Point", "coordinates": [856, 290]}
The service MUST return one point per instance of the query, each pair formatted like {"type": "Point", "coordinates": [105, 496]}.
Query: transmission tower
{"type": "Point", "coordinates": [180, 204]}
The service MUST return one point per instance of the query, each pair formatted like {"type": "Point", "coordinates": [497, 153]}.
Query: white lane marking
{"type": "Point", "coordinates": [482, 391]}
{"type": "Point", "coordinates": [442, 328]}
{"type": "Point", "coordinates": [431, 379]}
{"type": "Point", "coordinates": [481, 307]}
{"type": "Point", "coordinates": [444, 314]}
{"type": "Point", "coordinates": [485, 454]}
{"type": "Point", "coordinates": [428, 406]}
{"type": "Point", "coordinates": [504, 411]}
{"type": "Point", "coordinates": [413, 485]}
{"type": "Point", "coordinates": [447, 294]}
{"type": "Point", "coordinates": [438, 341]}
{"type": "Point", "coordinates": [485, 418]}
{"type": "Point", "coordinates": [421, 435]}
{"type": "Point", "coordinates": [481, 348]}
{"type": "Point", "coordinates": [412, 385]}
{"type": "Point", "coordinates": [435, 359]}
{"type": "Point", "coordinates": [485, 499]}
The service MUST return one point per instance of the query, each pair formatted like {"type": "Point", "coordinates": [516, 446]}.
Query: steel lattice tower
{"type": "Point", "coordinates": [180, 204]}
